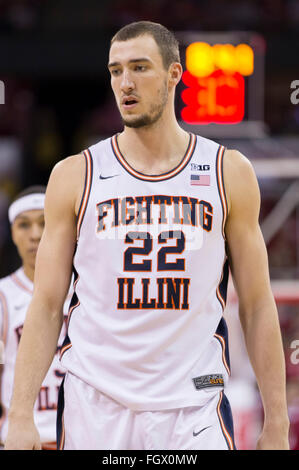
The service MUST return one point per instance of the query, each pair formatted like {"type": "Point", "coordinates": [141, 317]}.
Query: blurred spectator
{"type": "Point", "coordinates": [47, 147]}
{"type": "Point", "coordinates": [292, 12]}
{"type": "Point", "coordinates": [265, 15]}
{"type": "Point", "coordinates": [19, 14]}
{"type": "Point", "coordinates": [15, 114]}
{"type": "Point", "coordinates": [293, 408]}
{"type": "Point", "coordinates": [242, 390]}
{"type": "Point", "coordinates": [289, 313]}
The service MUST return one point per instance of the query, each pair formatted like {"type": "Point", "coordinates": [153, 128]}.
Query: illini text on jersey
{"type": "Point", "coordinates": [164, 226]}
{"type": "Point", "coordinates": [153, 211]}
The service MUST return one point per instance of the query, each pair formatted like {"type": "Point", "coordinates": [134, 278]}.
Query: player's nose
{"type": "Point", "coordinates": [36, 232]}
{"type": "Point", "coordinates": [127, 83]}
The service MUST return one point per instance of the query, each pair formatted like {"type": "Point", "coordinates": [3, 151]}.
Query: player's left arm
{"type": "Point", "coordinates": [257, 309]}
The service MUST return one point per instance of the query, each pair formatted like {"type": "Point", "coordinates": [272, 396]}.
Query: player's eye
{"type": "Point", "coordinates": [23, 225]}
{"type": "Point", "coordinates": [140, 68]}
{"type": "Point", "coordinates": [115, 72]}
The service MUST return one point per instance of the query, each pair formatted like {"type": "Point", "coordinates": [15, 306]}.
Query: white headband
{"type": "Point", "coordinates": [26, 203]}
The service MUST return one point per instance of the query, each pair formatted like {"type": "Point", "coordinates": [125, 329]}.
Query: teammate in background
{"type": "Point", "coordinates": [148, 222]}
{"type": "Point", "coordinates": [26, 215]}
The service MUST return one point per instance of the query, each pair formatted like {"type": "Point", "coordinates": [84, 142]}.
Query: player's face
{"type": "Point", "coordinates": [27, 230]}
{"type": "Point", "coordinates": [139, 80]}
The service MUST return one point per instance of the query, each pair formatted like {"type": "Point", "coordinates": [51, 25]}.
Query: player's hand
{"type": "Point", "coordinates": [22, 435]}
{"type": "Point", "coordinates": [274, 438]}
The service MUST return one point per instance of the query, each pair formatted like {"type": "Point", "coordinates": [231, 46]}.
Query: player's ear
{"type": "Point", "coordinates": [175, 73]}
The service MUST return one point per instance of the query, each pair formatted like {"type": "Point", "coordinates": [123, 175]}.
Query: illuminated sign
{"type": "Point", "coordinates": [215, 81]}
{"type": "Point", "coordinates": [203, 59]}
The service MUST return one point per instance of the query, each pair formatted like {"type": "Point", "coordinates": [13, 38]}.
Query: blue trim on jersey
{"type": "Point", "coordinates": [85, 189]}
{"type": "Point", "coordinates": [222, 331]}
{"type": "Point", "coordinates": [73, 302]}
{"type": "Point", "coordinates": [227, 417]}
{"type": "Point", "coordinates": [223, 202]}
{"type": "Point", "coordinates": [74, 299]}
{"type": "Point", "coordinates": [59, 420]}
{"type": "Point", "coordinates": [223, 284]}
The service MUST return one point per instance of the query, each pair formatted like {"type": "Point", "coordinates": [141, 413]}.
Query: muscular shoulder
{"type": "Point", "coordinates": [240, 180]}
{"type": "Point", "coordinates": [70, 167]}
{"type": "Point", "coordinates": [67, 180]}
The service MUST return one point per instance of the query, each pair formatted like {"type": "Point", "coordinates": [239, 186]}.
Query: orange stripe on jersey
{"type": "Point", "coordinates": [222, 342]}
{"type": "Point", "coordinates": [4, 318]}
{"type": "Point", "coordinates": [221, 189]}
{"type": "Point", "coordinates": [71, 311]}
{"type": "Point", "coordinates": [49, 446]}
{"type": "Point", "coordinates": [72, 307]}
{"type": "Point", "coordinates": [86, 192]}
{"type": "Point", "coordinates": [227, 436]}
{"type": "Point", "coordinates": [220, 298]}
{"type": "Point", "coordinates": [65, 348]}
{"type": "Point", "coordinates": [218, 294]}
{"type": "Point", "coordinates": [162, 177]}
{"type": "Point", "coordinates": [19, 283]}
{"type": "Point", "coordinates": [62, 439]}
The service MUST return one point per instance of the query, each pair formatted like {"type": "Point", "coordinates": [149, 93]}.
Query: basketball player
{"type": "Point", "coordinates": [149, 221]}
{"type": "Point", "coordinates": [26, 215]}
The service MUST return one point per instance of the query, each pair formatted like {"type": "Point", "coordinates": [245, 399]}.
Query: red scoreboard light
{"type": "Point", "coordinates": [222, 80]}
{"type": "Point", "coordinates": [218, 98]}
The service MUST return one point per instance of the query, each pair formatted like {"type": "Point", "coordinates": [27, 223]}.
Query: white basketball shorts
{"type": "Point", "coordinates": [89, 420]}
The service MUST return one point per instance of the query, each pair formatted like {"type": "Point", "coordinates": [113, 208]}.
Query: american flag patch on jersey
{"type": "Point", "coordinates": [200, 180]}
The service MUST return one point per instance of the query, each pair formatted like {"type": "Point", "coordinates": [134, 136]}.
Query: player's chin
{"type": "Point", "coordinates": [32, 251]}
{"type": "Point", "coordinates": [31, 256]}
{"type": "Point", "coordinates": [136, 122]}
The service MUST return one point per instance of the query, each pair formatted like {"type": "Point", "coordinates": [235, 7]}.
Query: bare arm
{"type": "Point", "coordinates": [257, 308]}
{"type": "Point", "coordinates": [45, 314]}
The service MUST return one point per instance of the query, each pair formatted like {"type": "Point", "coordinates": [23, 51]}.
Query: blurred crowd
{"type": "Point", "coordinates": [264, 15]}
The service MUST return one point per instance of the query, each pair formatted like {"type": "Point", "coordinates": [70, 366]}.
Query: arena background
{"type": "Point", "coordinates": [56, 100]}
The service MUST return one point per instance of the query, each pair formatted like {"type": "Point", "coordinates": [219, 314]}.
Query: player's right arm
{"type": "Point", "coordinates": [44, 317]}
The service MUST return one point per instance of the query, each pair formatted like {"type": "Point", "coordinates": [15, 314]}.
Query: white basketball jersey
{"type": "Point", "coordinates": [146, 323]}
{"type": "Point", "coordinates": [15, 295]}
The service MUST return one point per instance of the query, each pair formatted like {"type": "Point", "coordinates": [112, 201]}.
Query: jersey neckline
{"type": "Point", "coordinates": [154, 178]}
{"type": "Point", "coordinates": [21, 280]}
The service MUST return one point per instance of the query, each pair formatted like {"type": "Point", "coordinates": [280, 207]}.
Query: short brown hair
{"type": "Point", "coordinates": [166, 41]}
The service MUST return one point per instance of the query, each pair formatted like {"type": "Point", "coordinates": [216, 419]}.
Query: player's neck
{"type": "Point", "coordinates": [28, 271]}
{"type": "Point", "coordinates": [154, 149]}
